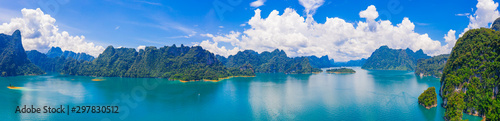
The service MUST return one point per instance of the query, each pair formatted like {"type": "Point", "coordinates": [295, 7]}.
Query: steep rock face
{"type": "Point", "coordinates": [385, 58]}
{"type": "Point", "coordinates": [183, 63]}
{"type": "Point", "coordinates": [13, 58]}
{"type": "Point", "coordinates": [55, 52]}
{"type": "Point", "coordinates": [470, 78]}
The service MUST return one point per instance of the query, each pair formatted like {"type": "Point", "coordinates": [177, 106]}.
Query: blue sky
{"type": "Point", "coordinates": [134, 23]}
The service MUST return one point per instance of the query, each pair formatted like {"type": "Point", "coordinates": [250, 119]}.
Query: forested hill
{"type": "Point", "coordinates": [322, 62]}
{"type": "Point", "coordinates": [13, 58]}
{"type": "Point", "coordinates": [57, 52]}
{"type": "Point", "coordinates": [385, 58]}
{"type": "Point", "coordinates": [470, 80]}
{"type": "Point", "coordinates": [432, 67]}
{"type": "Point", "coordinates": [271, 62]}
{"type": "Point", "coordinates": [44, 62]}
{"type": "Point", "coordinates": [179, 63]}
{"type": "Point", "coordinates": [54, 60]}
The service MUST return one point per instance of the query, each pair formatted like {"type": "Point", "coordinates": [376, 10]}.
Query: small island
{"type": "Point", "coordinates": [428, 99]}
{"type": "Point", "coordinates": [340, 70]}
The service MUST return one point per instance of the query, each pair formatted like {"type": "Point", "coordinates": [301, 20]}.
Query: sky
{"type": "Point", "coordinates": [342, 29]}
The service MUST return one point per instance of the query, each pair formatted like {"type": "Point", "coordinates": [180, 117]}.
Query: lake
{"type": "Point", "coordinates": [365, 95]}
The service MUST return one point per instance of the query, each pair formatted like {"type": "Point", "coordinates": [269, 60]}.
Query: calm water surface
{"type": "Point", "coordinates": [365, 95]}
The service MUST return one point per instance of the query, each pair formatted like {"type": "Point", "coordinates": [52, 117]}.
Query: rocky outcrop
{"type": "Point", "coordinates": [13, 58]}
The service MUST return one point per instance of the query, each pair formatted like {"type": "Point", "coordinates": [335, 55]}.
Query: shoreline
{"type": "Point", "coordinates": [341, 72]}
{"type": "Point", "coordinates": [209, 80]}
{"type": "Point", "coordinates": [428, 107]}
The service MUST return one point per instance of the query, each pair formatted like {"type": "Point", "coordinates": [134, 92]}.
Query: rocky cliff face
{"type": "Point", "coordinates": [13, 58]}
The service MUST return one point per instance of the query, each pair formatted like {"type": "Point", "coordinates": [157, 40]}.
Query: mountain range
{"type": "Point", "coordinates": [385, 58]}
{"type": "Point", "coordinates": [272, 62]}
{"type": "Point", "coordinates": [57, 52]}
{"type": "Point", "coordinates": [178, 63]}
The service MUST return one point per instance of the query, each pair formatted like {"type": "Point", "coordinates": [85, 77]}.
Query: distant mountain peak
{"type": "Point", "coordinates": [496, 24]}
{"type": "Point", "coordinates": [58, 52]}
{"type": "Point", "coordinates": [13, 58]}
{"type": "Point", "coordinates": [386, 58]}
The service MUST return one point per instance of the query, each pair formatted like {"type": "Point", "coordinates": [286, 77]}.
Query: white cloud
{"type": "Point", "coordinates": [485, 14]}
{"type": "Point", "coordinates": [450, 40]}
{"type": "Point", "coordinates": [370, 13]}
{"type": "Point", "coordinates": [336, 38]}
{"type": "Point", "coordinates": [39, 32]}
{"type": "Point", "coordinates": [117, 27]}
{"type": "Point", "coordinates": [221, 27]}
{"type": "Point", "coordinates": [462, 14]}
{"type": "Point", "coordinates": [242, 25]}
{"type": "Point", "coordinates": [213, 47]}
{"type": "Point", "coordinates": [141, 47]}
{"type": "Point", "coordinates": [310, 6]}
{"type": "Point", "coordinates": [257, 3]}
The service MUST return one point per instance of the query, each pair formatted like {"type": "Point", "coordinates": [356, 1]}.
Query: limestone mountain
{"type": "Point", "coordinates": [321, 62]}
{"type": "Point", "coordinates": [13, 58]}
{"type": "Point", "coordinates": [182, 63]}
{"type": "Point", "coordinates": [471, 80]}
{"type": "Point", "coordinates": [271, 62]}
{"type": "Point", "coordinates": [57, 52]}
{"type": "Point", "coordinates": [432, 67]}
{"type": "Point", "coordinates": [385, 58]}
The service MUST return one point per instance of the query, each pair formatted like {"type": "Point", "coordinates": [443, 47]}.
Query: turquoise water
{"type": "Point", "coordinates": [365, 95]}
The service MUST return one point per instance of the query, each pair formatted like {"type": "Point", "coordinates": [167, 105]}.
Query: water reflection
{"type": "Point", "coordinates": [365, 95]}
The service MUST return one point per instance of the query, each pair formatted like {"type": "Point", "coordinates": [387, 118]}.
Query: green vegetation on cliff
{"type": "Point", "coordinates": [385, 58]}
{"type": "Point", "coordinates": [178, 63]}
{"type": "Point", "coordinates": [46, 63]}
{"type": "Point", "coordinates": [321, 62]}
{"type": "Point", "coordinates": [271, 62]}
{"type": "Point", "coordinates": [432, 67]}
{"type": "Point", "coordinates": [428, 98]}
{"type": "Point", "coordinates": [470, 78]}
{"type": "Point", "coordinates": [341, 70]}
{"type": "Point", "coordinates": [13, 58]}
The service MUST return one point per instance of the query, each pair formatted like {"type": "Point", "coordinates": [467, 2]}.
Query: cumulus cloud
{"type": "Point", "coordinates": [336, 38]}
{"type": "Point", "coordinates": [370, 13]}
{"type": "Point", "coordinates": [257, 3]}
{"type": "Point", "coordinates": [213, 47]}
{"type": "Point", "coordinates": [141, 47]}
{"type": "Point", "coordinates": [39, 32]}
{"type": "Point", "coordinates": [310, 6]}
{"type": "Point", "coordinates": [485, 14]}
